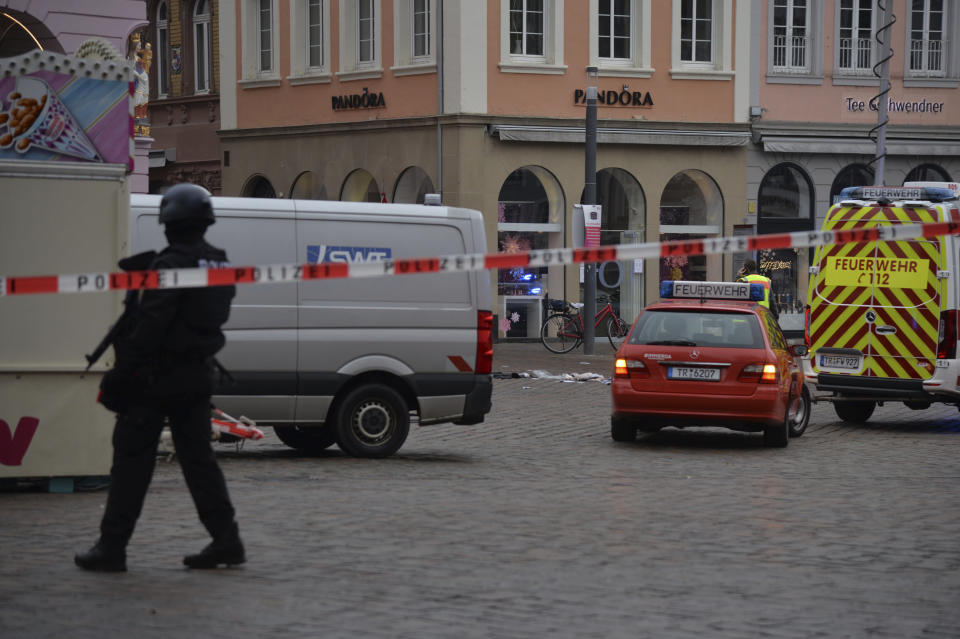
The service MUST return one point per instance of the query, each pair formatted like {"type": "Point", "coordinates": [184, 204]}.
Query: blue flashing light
{"type": "Point", "coordinates": [526, 277]}
{"type": "Point", "coordinates": [742, 291]}
{"type": "Point", "coordinates": [536, 291]}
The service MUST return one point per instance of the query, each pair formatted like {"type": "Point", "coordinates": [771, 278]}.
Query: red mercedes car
{"type": "Point", "coordinates": [708, 354]}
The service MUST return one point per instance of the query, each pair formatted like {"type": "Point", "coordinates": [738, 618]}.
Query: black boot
{"type": "Point", "coordinates": [102, 558]}
{"type": "Point", "coordinates": [226, 549]}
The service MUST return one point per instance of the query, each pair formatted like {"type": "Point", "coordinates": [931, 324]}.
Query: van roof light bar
{"type": "Point", "coordinates": [682, 289]}
{"type": "Point", "coordinates": [895, 193]}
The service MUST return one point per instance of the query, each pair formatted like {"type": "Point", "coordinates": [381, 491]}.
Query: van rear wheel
{"type": "Point", "coordinates": [309, 440]}
{"type": "Point", "coordinates": [854, 412]}
{"type": "Point", "coordinates": [372, 421]}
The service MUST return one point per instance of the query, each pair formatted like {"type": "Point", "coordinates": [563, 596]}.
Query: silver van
{"type": "Point", "coordinates": [348, 361]}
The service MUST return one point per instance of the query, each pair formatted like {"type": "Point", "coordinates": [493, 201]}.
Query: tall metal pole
{"type": "Point", "coordinates": [590, 197]}
{"type": "Point", "coordinates": [885, 52]}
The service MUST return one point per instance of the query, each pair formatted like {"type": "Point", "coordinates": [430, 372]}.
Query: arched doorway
{"type": "Point", "coordinates": [412, 185]}
{"type": "Point", "coordinates": [622, 218]}
{"type": "Point", "coordinates": [785, 203]}
{"type": "Point", "coordinates": [927, 173]}
{"type": "Point", "coordinates": [307, 187]}
{"type": "Point", "coordinates": [529, 216]}
{"type": "Point", "coordinates": [360, 186]}
{"type": "Point", "coordinates": [258, 186]}
{"type": "Point", "coordinates": [691, 207]}
{"type": "Point", "coordinates": [850, 175]}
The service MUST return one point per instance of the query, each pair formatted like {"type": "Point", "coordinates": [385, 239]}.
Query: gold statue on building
{"type": "Point", "coordinates": [142, 59]}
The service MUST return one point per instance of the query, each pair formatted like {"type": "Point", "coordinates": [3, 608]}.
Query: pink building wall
{"type": "Point", "coordinates": [829, 102]}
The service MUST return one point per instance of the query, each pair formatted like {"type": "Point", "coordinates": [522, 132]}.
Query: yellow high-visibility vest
{"type": "Point", "coordinates": [755, 277]}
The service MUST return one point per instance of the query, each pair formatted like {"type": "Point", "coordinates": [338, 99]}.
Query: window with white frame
{"type": "Point", "coordinates": [414, 23]}
{"type": "Point", "coordinates": [620, 37]}
{"type": "Point", "coordinates": [791, 40]}
{"type": "Point", "coordinates": [702, 39]}
{"type": "Point", "coordinates": [315, 52]}
{"type": "Point", "coordinates": [855, 37]}
{"type": "Point", "coordinates": [794, 41]}
{"type": "Point", "coordinates": [927, 51]}
{"type": "Point", "coordinates": [309, 41]}
{"type": "Point", "coordinates": [615, 37]}
{"type": "Point", "coordinates": [201, 47]}
{"type": "Point", "coordinates": [696, 31]}
{"type": "Point", "coordinates": [258, 43]}
{"type": "Point", "coordinates": [531, 36]}
{"type": "Point", "coordinates": [265, 35]}
{"type": "Point", "coordinates": [421, 29]}
{"type": "Point", "coordinates": [360, 40]}
{"type": "Point", "coordinates": [163, 47]}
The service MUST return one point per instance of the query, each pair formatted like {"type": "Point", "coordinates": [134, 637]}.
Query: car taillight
{"type": "Point", "coordinates": [759, 372]}
{"type": "Point", "coordinates": [630, 368]}
{"type": "Point", "coordinates": [484, 343]}
{"type": "Point", "coordinates": [806, 326]}
{"type": "Point", "coordinates": [947, 344]}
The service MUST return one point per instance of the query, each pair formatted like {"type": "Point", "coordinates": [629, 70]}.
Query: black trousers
{"type": "Point", "coordinates": [135, 439]}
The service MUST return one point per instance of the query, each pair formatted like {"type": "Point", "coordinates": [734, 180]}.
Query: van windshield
{"type": "Point", "coordinates": [723, 329]}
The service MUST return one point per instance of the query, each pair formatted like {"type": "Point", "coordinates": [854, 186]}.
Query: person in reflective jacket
{"type": "Point", "coordinates": [748, 273]}
{"type": "Point", "coordinates": [164, 371]}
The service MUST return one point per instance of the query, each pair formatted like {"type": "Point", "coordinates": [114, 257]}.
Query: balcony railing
{"type": "Point", "coordinates": [856, 55]}
{"type": "Point", "coordinates": [926, 58]}
{"type": "Point", "coordinates": [790, 53]}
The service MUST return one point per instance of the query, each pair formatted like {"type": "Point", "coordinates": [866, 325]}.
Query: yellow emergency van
{"type": "Point", "coordinates": [882, 316]}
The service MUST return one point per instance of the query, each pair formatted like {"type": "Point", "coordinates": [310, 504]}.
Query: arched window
{"type": "Point", "coordinates": [927, 173]}
{"type": "Point", "coordinates": [529, 216]}
{"type": "Point", "coordinates": [360, 186]}
{"type": "Point", "coordinates": [258, 186]}
{"type": "Point", "coordinates": [307, 187]}
{"type": "Point", "coordinates": [412, 185]}
{"type": "Point", "coordinates": [201, 46]}
{"type": "Point", "coordinates": [163, 46]}
{"type": "Point", "coordinates": [622, 218]}
{"type": "Point", "coordinates": [850, 175]}
{"type": "Point", "coordinates": [785, 203]}
{"type": "Point", "coordinates": [691, 208]}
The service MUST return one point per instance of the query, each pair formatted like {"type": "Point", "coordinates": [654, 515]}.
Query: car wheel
{"type": "Point", "coordinates": [372, 421]}
{"type": "Point", "coordinates": [777, 436]}
{"type": "Point", "coordinates": [854, 412]}
{"type": "Point", "coordinates": [622, 431]}
{"type": "Point", "coordinates": [309, 440]}
{"type": "Point", "coordinates": [798, 413]}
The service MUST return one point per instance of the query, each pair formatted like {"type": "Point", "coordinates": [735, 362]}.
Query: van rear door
{"type": "Point", "coordinates": [875, 306]}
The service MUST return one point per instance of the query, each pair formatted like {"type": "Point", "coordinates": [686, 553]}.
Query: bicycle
{"type": "Point", "coordinates": [563, 331]}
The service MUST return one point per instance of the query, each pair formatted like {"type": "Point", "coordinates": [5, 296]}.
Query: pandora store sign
{"type": "Point", "coordinates": [624, 98]}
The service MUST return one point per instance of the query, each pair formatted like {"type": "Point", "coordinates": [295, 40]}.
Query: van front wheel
{"type": "Point", "coordinates": [372, 421]}
{"type": "Point", "coordinates": [854, 412]}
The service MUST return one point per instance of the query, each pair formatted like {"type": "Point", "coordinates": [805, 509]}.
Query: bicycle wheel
{"type": "Point", "coordinates": [616, 331]}
{"type": "Point", "coordinates": [561, 333]}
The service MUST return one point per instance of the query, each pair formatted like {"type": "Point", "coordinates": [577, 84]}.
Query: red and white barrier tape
{"type": "Point", "coordinates": [202, 277]}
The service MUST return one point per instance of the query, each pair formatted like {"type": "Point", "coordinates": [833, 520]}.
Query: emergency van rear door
{"type": "Point", "coordinates": [875, 306]}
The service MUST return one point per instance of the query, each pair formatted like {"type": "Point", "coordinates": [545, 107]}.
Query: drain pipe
{"type": "Point", "coordinates": [439, 97]}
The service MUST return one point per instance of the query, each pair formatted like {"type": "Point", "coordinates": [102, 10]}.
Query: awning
{"type": "Point", "coordinates": [577, 135]}
{"type": "Point", "coordinates": [859, 145]}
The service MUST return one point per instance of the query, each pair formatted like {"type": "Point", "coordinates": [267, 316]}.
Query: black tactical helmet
{"type": "Point", "coordinates": [186, 203]}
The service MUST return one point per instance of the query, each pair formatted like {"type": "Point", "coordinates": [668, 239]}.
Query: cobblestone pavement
{"type": "Point", "coordinates": [532, 524]}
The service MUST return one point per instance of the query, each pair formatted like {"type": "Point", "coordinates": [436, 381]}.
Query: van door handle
{"type": "Point", "coordinates": [886, 330]}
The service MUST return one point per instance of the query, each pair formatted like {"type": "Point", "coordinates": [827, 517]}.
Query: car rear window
{"type": "Point", "coordinates": [698, 328]}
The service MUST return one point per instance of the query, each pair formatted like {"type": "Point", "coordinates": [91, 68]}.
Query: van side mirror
{"type": "Point", "coordinates": [798, 350]}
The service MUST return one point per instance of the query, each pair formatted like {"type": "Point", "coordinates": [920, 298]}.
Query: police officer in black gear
{"type": "Point", "coordinates": [164, 371]}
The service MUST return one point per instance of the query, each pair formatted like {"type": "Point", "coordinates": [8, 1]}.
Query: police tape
{"type": "Point", "coordinates": [275, 273]}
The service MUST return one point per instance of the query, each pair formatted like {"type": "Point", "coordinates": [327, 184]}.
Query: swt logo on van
{"type": "Point", "coordinates": [319, 253]}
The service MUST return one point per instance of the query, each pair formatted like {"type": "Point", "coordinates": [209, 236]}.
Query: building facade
{"type": "Point", "coordinates": [184, 109]}
{"type": "Point", "coordinates": [710, 111]}
{"type": "Point", "coordinates": [813, 110]}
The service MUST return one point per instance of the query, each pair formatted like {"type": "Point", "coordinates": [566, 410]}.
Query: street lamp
{"type": "Point", "coordinates": [590, 197]}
